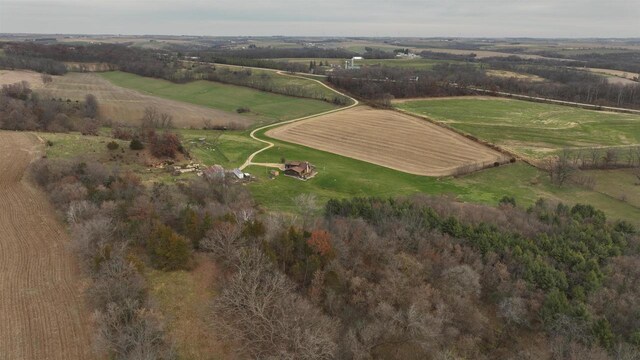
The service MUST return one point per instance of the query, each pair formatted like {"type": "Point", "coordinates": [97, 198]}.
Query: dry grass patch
{"type": "Point", "coordinates": [511, 74]}
{"type": "Point", "coordinates": [13, 76]}
{"type": "Point", "coordinates": [184, 299]}
{"type": "Point", "coordinates": [390, 139]}
{"type": "Point", "coordinates": [127, 106]}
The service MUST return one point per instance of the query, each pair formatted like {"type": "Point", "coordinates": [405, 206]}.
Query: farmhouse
{"type": "Point", "coordinates": [300, 169]}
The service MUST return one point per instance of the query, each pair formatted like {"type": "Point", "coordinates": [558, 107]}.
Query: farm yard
{"type": "Point", "coordinates": [42, 309]}
{"type": "Point", "coordinates": [390, 139]}
{"type": "Point", "coordinates": [340, 177]}
{"type": "Point", "coordinates": [263, 106]}
{"type": "Point", "coordinates": [527, 128]}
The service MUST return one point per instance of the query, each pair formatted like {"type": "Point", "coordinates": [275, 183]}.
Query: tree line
{"type": "Point", "coordinates": [378, 84]}
{"type": "Point", "coordinates": [21, 109]}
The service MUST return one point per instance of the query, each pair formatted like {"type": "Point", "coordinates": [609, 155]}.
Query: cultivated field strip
{"type": "Point", "coordinates": [389, 139]}
{"type": "Point", "coordinates": [42, 313]}
{"type": "Point", "coordinates": [127, 106]}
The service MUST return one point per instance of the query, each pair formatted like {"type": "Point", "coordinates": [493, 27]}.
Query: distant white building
{"type": "Point", "coordinates": [350, 64]}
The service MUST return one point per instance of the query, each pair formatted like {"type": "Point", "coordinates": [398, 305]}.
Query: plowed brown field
{"type": "Point", "coordinates": [390, 139]}
{"type": "Point", "coordinates": [42, 314]}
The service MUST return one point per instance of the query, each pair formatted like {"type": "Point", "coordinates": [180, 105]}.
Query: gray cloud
{"type": "Point", "coordinates": [542, 18]}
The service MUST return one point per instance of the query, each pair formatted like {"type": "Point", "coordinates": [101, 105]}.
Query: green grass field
{"type": "Point", "coordinates": [307, 87]}
{"type": "Point", "coordinates": [622, 184]}
{"type": "Point", "coordinates": [341, 177]}
{"type": "Point", "coordinates": [221, 96]}
{"type": "Point", "coordinates": [227, 148]}
{"type": "Point", "coordinates": [528, 128]}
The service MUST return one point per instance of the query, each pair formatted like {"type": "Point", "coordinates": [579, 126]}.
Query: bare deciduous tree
{"type": "Point", "coordinates": [259, 306]}
{"type": "Point", "coordinates": [90, 106]}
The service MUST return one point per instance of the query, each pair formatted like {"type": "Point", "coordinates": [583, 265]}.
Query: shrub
{"type": "Point", "coordinates": [166, 145]}
{"type": "Point", "coordinates": [168, 250]}
{"type": "Point", "coordinates": [89, 127]}
{"type": "Point", "coordinates": [507, 200]}
{"type": "Point", "coordinates": [243, 109]}
{"type": "Point", "coordinates": [112, 145]}
{"type": "Point", "coordinates": [122, 134]}
{"type": "Point", "coordinates": [136, 144]}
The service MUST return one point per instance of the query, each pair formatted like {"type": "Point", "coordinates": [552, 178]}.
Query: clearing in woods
{"type": "Point", "coordinates": [390, 139]}
{"type": "Point", "coordinates": [127, 106]}
{"type": "Point", "coordinates": [42, 313]}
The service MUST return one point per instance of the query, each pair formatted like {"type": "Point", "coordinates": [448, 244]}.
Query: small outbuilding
{"type": "Point", "coordinates": [238, 173]}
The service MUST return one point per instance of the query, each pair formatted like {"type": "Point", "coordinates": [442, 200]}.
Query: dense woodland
{"type": "Point", "coordinates": [382, 83]}
{"type": "Point", "coordinates": [407, 278]}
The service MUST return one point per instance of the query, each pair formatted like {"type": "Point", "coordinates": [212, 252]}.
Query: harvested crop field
{"type": "Point", "coordinates": [42, 313]}
{"type": "Point", "coordinates": [127, 106]}
{"type": "Point", "coordinates": [390, 139]}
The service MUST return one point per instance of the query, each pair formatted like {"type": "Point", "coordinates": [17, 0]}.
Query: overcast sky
{"type": "Point", "coordinates": [468, 18]}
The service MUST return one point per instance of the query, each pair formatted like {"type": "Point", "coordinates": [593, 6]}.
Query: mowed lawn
{"type": "Point", "coordinates": [342, 177]}
{"type": "Point", "coordinates": [528, 128]}
{"type": "Point", "coordinates": [224, 97]}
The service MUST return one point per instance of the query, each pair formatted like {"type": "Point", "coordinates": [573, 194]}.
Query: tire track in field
{"type": "Point", "coordinates": [42, 312]}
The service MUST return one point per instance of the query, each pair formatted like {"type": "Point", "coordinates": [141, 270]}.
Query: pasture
{"type": "Point", "coordinates": [390, 139]}
{"type": "Point", "coordinates": [527, 128]}
{"type": "Point", "coordinates": [284, 83]}
{"type": "Point", "coordinates": [263, 106]}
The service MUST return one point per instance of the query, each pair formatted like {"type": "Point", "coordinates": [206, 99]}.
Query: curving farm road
{"type": "Point", "coordinates": [42, 312]}
{"type": "Point", "coordinates": [249, 160]}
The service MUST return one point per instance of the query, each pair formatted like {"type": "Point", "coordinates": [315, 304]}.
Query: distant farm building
{"type": "Point", "coordinates": [300, 169]}
{"type": "Point", "coordinates": [351, 65]}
